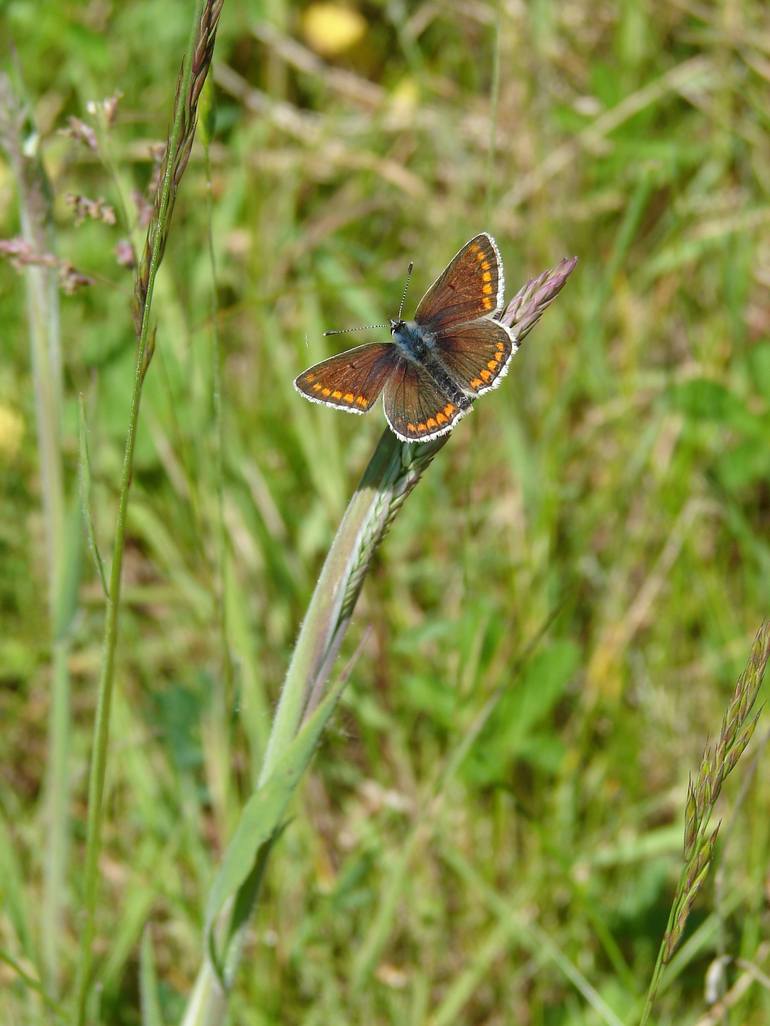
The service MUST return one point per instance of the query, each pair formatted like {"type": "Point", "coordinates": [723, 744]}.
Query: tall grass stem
{"type": "Point", "coordinates": [19, 138]}
{"type": "Point", "coordinates": [191, 79]}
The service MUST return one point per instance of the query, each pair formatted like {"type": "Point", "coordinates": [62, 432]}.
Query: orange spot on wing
{"type": "Point", "coordinates": [485, 266]}
{"type": "Point", "coordinates": [410, 427]}
{"type": "Point", "coordinates": [487, 290]}
{"type": "Point", "coordinates": [431, 422]}
{"type": "Point", "coordinates": [476, 383]}
{"type": "Point", "coordinates": [421, 427]}
{"type": "Point", "coordinates": [492, 364]}
{"type": "Point", "coordinates": [449, 409]}
{"type": "Point", "coordinates": [316, 387]}
{"type": "Point", "coordinates": [310, 377]}
{"type": "Point", "coordinates": [326, 391]}
{"type": "Point", "coordinates": [362, 401]}
{"type": "Point", "coordinates": [336, 394]}
{"type": "Point", "coordinates": [440, 418]}
{"type": "Point", "coordinates": [488, 304]}
{"type": "Point", "coordinates": [486, 375]}
{"type": "Point", "coordinates": [480, 255]}
{"type": "Point", "coordinates": [486, 276]}
{"type": "Point", "coordinates": [501, 347]}
{"type": "Point", "coordinates": [348, 397]}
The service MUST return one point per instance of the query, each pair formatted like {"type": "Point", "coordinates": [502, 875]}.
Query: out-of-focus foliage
{"type": "Point", "coordinates": [592, 544]}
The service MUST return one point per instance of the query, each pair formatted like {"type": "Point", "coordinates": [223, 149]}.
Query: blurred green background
{"type": "Point", "coordinates": [593, 541]}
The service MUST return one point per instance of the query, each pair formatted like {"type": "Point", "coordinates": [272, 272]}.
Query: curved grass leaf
{"type": "Point", "coordinates": [262, 818]}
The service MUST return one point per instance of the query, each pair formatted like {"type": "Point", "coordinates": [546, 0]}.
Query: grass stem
{"type": "Point", "coordinates": [19, 139]}
{"type": "Point", "coordinates": [194, 69]}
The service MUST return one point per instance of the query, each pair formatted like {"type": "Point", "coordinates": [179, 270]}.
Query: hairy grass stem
{"type": "Point", "coordinates": [393, 471]}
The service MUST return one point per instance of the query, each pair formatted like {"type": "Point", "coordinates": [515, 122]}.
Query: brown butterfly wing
{"type": "Point", "coordinates": [477, 354]}
{"type": "Point", "coordinates": [415, 407]}
{"type": "Point", "coordinates": [472, 286]}
{"type": "Point", "coordinates": [352, 380]}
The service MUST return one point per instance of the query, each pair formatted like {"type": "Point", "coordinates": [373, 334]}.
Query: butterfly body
{"type": "Point", "coordinates": [417, 345]}
{"type": "Point", "coordinates": [437, 364]}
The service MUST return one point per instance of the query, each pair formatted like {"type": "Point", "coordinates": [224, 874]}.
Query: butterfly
{"type": "Point", "coordinates": [436, 365]}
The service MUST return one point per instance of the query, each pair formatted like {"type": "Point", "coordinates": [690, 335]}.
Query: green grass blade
{"type": "Point", "coordinates": [148, 983]}
{"type": "Point", "coordinates": [263, 814]}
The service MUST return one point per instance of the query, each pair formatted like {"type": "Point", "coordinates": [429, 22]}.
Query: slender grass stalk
{"type": "Point", "coordinates": [700, 837]}
{"type": "Point", "coordinates": [191, 79]}
{"type": "Point", "coordinates": [18, 138]}
{"type": "Point", "coordinates": [393, 471]}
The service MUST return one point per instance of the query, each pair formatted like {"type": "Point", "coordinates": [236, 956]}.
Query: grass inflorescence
{"type": "Point", "coordinates": [700, 835]}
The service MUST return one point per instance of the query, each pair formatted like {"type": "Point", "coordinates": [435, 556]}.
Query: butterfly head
{"type": "Point", "coordinates": [396, 325]}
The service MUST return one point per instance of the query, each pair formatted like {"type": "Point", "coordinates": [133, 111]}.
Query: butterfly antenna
{"type": "Point", "coordinates": [346, 331]}
{"type": "Point", "coordinates": [369, 327]}
{"type": "Point", "coordinates": [409, 270]}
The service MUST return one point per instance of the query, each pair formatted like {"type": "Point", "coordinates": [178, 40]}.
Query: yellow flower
{"type": "Point", "coordinates": [330, 28]}
{"type": "Point", "coordinates": [405, 97]}
{"type": "Point", "coordinates": [11, 432]}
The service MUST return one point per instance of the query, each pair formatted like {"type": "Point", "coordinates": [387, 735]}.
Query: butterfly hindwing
{"type": "Point", "coordinates": [415, 407]}
{"type": "Point", "coordinates": [352, 380]}
{"type": "Point", "coordinates": [476, 354]}
{"type": "Point", "coordinates": [472, 286]}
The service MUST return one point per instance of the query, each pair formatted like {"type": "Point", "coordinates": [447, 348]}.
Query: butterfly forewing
{"type": "Point", "coordinates": [351, 381]}
{"type": "Point", "coordinates": [476, 354]}
{"type": "Point", "coordinates": [472, 286]}
{"type": "Point", "coordinates": [415, 407]}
